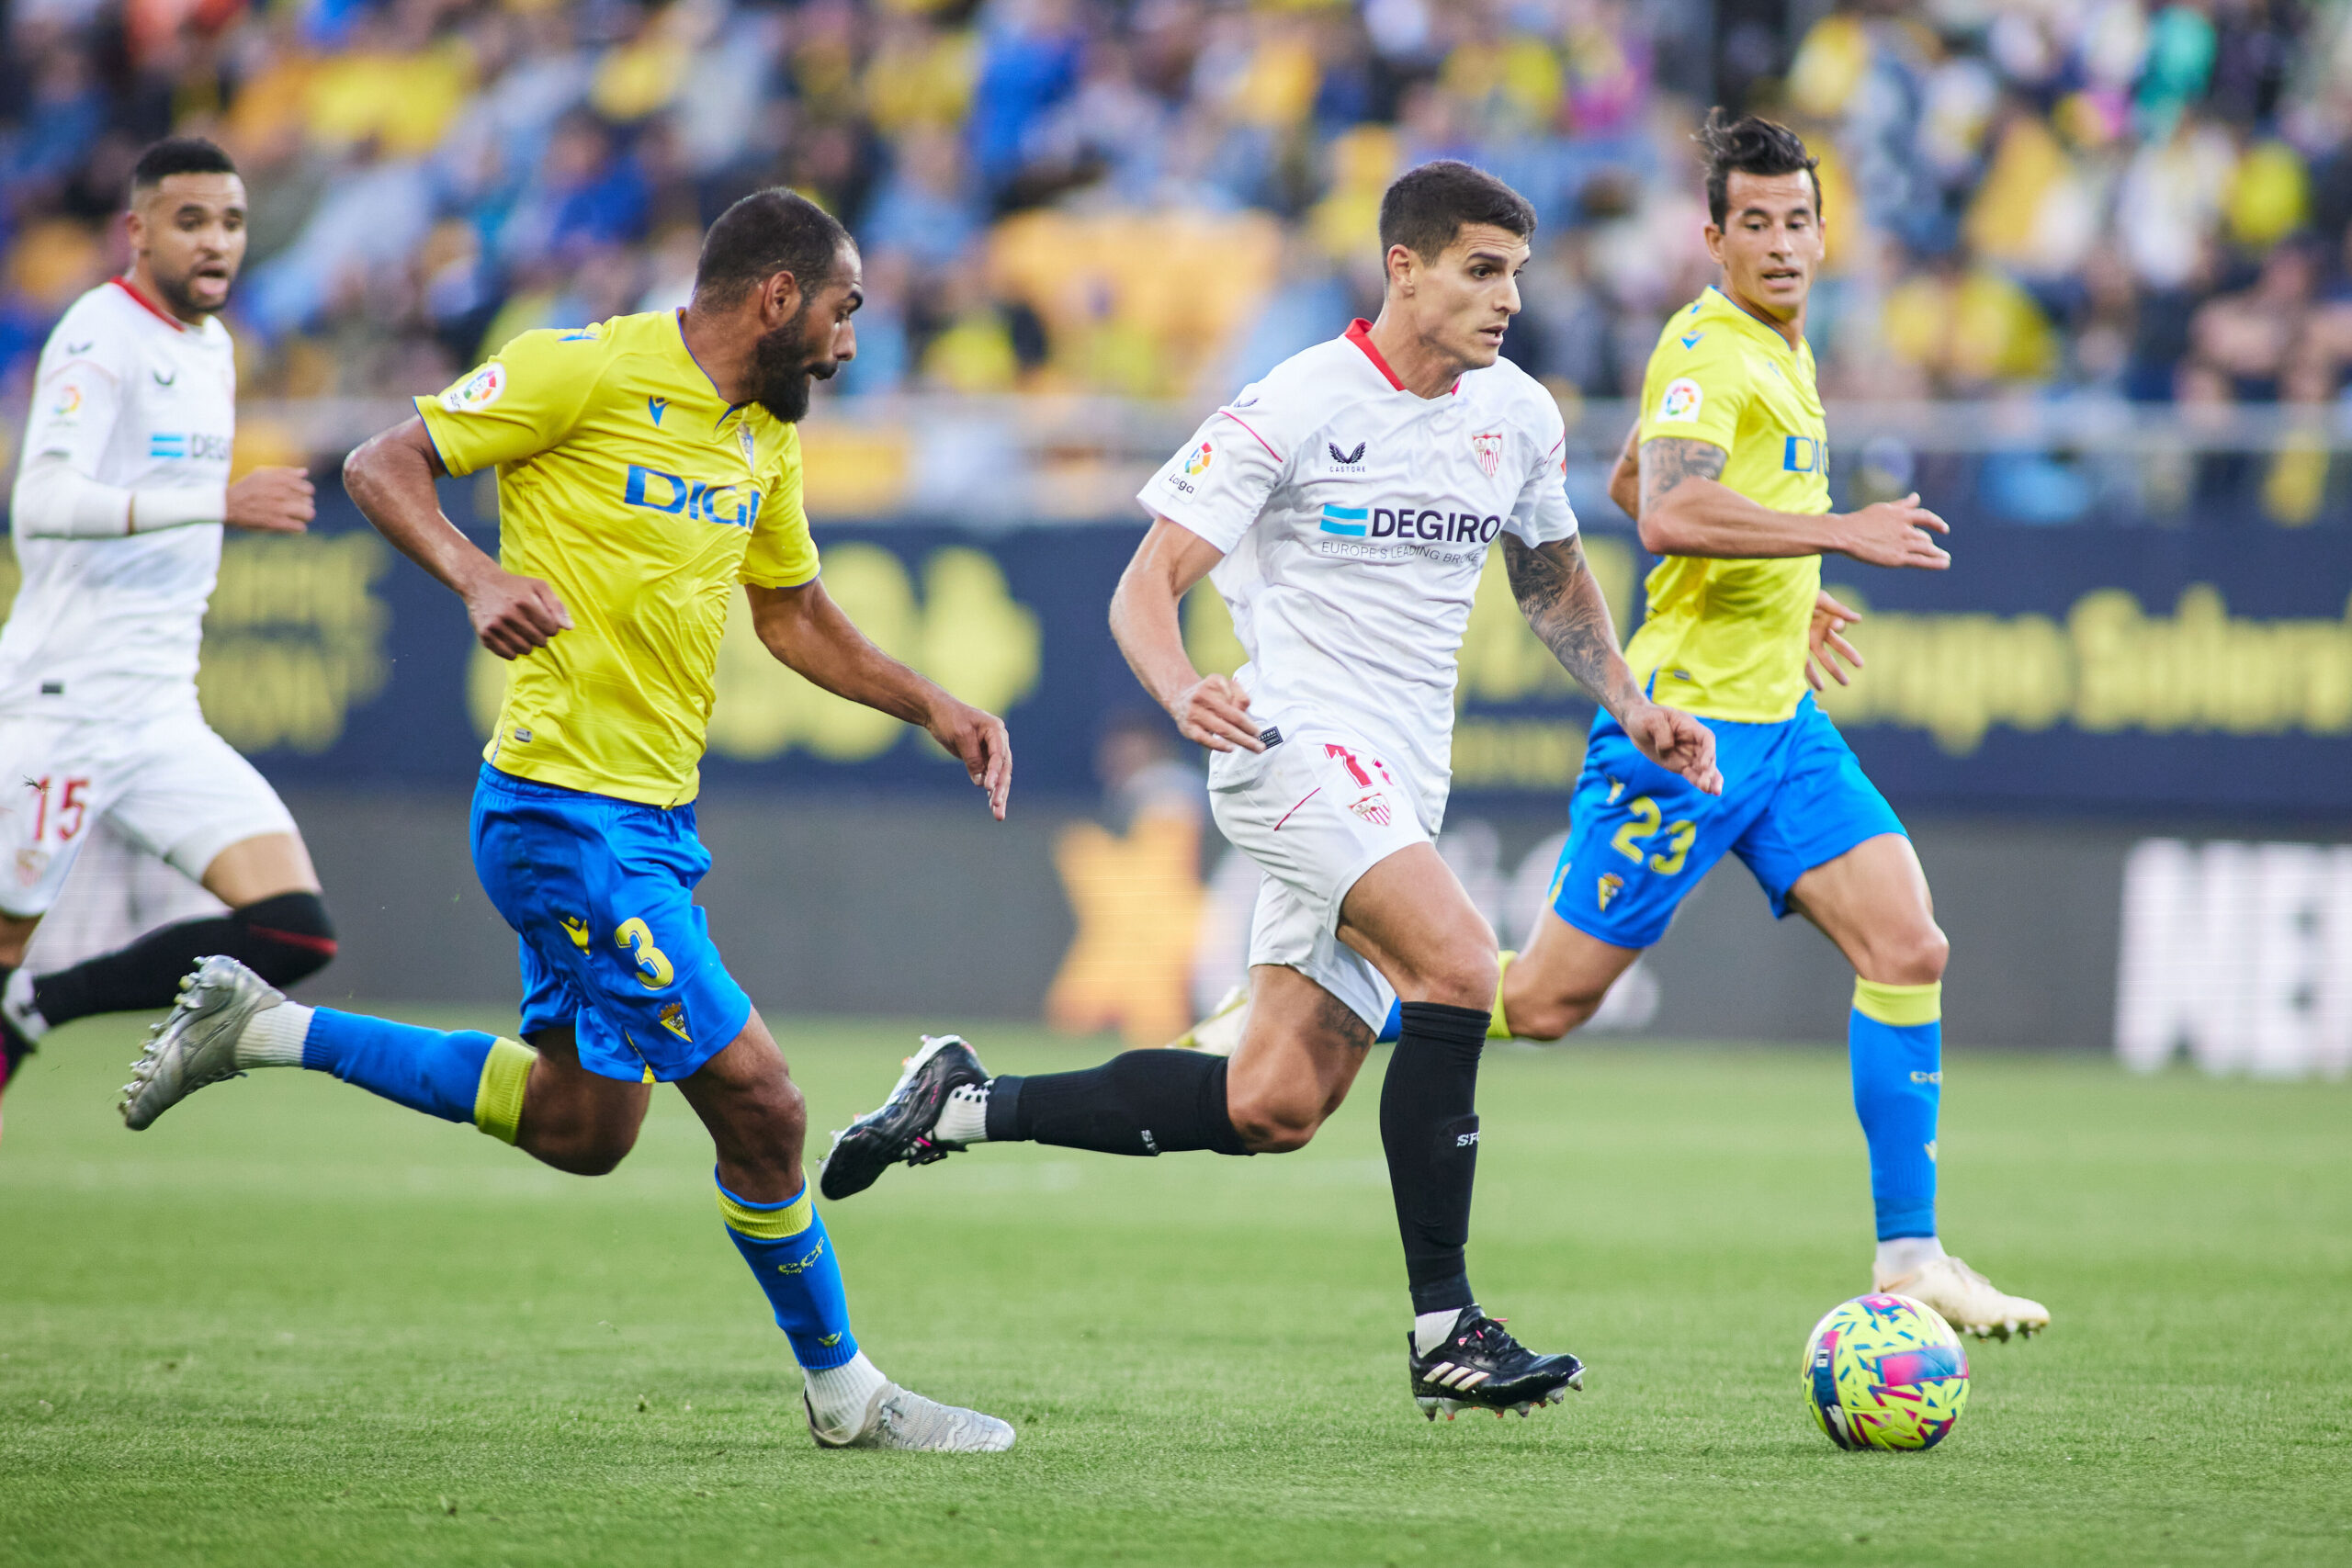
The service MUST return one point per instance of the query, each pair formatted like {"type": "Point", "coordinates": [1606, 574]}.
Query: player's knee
{"type": "Point", "coordinates": [1912, 956]}
{"type": "Point", "coordinates": [290, 935]}
{"type": "Point", "coordinates": [1273, 1123]}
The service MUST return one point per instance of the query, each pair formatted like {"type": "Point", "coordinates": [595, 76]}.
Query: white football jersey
{"type": "Point", "coordinates": [133, 398]}
{"type": "Point", "coordinates": [1355, 517]}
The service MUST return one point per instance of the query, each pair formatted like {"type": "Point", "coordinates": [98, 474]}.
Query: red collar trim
{"type": "Point", "coordinates": [149, 305]}
{"type": "Point", "coordinates": [1360, 333]}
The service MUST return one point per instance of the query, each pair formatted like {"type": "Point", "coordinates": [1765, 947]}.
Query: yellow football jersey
{"type": "Point", "coordinates": [643, 498]}
{"type": "Point", "coordinates": [1726, 639]}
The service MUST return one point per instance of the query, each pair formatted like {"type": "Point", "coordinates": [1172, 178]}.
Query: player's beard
{"type": "Point", "coordinates": [782, 370]}
{"type": "Point", "coordinates": [177, 298]}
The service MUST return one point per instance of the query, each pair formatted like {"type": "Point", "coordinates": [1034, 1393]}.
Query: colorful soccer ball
{"type": "Point", "coordinates": [1884, 1373]}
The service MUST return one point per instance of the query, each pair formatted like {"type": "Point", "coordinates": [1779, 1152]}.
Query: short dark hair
{"type": "Point", "coordinates": [1750, 145]}
{"type": "Point", "coordinates": [178, 155]}
{"type": "Point", "coordinates": [768, 231]}
{"type": "Point", "coordinates": [1426, 206]}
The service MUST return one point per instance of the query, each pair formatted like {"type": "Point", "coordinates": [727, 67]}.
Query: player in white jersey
{"type": "Point", "coordinates": [1343, 506]}
{"type": "Point", "coordinates": [119, 501]}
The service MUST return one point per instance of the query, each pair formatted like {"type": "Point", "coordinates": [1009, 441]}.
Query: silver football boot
{"type": "Point", "coordinates": [895, 1418]}
{"type": "Point", "coordinates": [196, 1042]}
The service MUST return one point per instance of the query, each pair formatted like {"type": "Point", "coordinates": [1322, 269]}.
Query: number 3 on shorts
{"type": "Point", "coordinates": [653, 970]}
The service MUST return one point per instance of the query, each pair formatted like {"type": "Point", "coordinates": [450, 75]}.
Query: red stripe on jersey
{"type": "Point", "coordinates": [1261, 440]}
{"type": "Point", "coordinates": [1360, 333]}
{"type": "Point", "coordinates": [149, 305]}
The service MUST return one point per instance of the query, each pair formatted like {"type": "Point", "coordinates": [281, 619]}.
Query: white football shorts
{"type": "Point", "coordinates": [169, 785]}
{"type": "Point", "coordinates": [1315, 812]}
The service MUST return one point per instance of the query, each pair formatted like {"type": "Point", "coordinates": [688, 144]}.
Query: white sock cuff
{"type": "Point", "coordinates": [273, 1037]}
{"type": "Point", "coordinates": [838, 1395]}
{"type": "Point", "coordinates": [1429, 1329]}
{"type": "Point", "coordinates": [16, 997]}
{"type": "Point", "coordinates": [965, 1118]}
{"type": "Point", "coordinates": [1907, 1254]}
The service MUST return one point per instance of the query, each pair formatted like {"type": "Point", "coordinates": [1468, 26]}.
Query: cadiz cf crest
{"type": "Point", "coordinates": [1609, 884]}
{"type": "Point", "coordinates": [673, 1018]}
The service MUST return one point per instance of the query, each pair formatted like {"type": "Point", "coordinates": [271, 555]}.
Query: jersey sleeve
{"type": "Point", "coordinates": [1220, 483]}
{"type": "Point", "coordinates": [1542, 515]}
{"type": "Point", "coordinates": [75, 402]}
{"type": "Point", "coordinates": [783, 553]}
{"type": "Point", "coordinates": [1696, 388]}
{"type": "Point", "coordinates": [526, 399]}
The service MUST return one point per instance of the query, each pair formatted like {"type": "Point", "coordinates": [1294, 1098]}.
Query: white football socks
{"type": "Point", "coordinates": [1907, 1254]}
{"type": "Point", "coordinates": [965, 1118]}
{"type": "Point", "coordinates": [16, 999]}
{"type": "Point", "coordinates": [1429, 1329]}
{"type": "Point", "coordinates": [838, 1396]}
{"type": "Point", "coordinates": [273, 1037]}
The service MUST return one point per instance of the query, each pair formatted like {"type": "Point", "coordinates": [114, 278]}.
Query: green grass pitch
{"type": "Point", "coordinates": [292, 1324]}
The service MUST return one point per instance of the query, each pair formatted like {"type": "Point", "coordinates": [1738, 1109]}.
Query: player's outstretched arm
{"type": "Point", "coordinates": [1565, 606]}
{"type": "Point", "coordinates": [1686, 511]}
{"type": "Point", "coordinates": [391, 480]}
{"type": "Point", "coordinates": [1209, 710]}
{"type": "Point", "coordinates": [811, 634]}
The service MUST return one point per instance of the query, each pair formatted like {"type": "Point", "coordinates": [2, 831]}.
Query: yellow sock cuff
{"type": "Point", "coordinates": [498, 1097]}
{"type": "Point", "coordinates": [1497, 1026]}
{"type": "Point", "coordinates": [766, 1224]}
{"type": "Point", "coordinates": [1899, 1007]}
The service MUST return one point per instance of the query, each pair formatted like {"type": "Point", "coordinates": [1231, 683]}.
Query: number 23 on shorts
{"type": "Point", "coordinates": [1641, 826]}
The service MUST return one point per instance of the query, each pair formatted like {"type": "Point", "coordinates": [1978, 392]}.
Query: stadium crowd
{"type": "Point", "coordinates": [1153, 196]}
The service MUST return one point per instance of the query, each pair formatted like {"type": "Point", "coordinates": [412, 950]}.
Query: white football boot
{"type": "Point", "coordinates": [895, 1418]}
{"type": "Point", "coordinates": [196, 1042]}
{"type": "Point", "coordinates": [1966, 1299]}
{"type": "Point", "coordinates": [1219, 1034]}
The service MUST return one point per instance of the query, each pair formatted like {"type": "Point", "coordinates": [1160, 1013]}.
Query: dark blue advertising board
{"type": "Point", "coordinates": [2070, 669]}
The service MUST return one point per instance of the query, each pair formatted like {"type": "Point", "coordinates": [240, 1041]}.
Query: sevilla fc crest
{"type": "Point", "coordinates": [1373, 809]}
{"type": "Point", "coordinates": [1488, 446]}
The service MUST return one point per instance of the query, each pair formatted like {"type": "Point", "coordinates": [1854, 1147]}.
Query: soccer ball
{"type": "Point", "coordinates": [1884, 1373]}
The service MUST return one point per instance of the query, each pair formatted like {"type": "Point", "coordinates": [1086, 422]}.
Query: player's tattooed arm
{"type": "Point", "coordinates": [1667, 460]}
{"type": "Point", "coordinates": [1688, 510]}
{"type": "Point", "coordinates": [1564, 605]}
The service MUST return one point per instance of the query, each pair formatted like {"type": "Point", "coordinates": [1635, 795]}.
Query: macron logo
{"type": "Point", "coordinates": [1349, 522]}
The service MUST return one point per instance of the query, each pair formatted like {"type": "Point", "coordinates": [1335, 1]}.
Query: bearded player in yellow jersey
{"type": "Point", "coordinates": [648, 468]}
{"type": "Point", "coordinates": [1730, 460]}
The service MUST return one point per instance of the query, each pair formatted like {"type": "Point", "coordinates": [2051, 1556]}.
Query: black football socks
{"type": "Point", "coordinates": [1429, 1126]}
{"type": "Point", "coordinates": [280, 939]}
{"type": "Point", "coordinates": [1141, 1102]}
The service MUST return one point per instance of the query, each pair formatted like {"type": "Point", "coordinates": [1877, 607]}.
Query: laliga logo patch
{"type": "Point", "coordinates": [1373, 809]}
{"type": "Point", "coordinates": [69, 401]}
{"type": "Point", "coordinates": [1681, 400]}
{"type": "Point", "coordinates": [1203, 456]}
{"type": "Point", "coordinates": [477, 391]}
{"type": "Point", "coordinates": [1488, 446]}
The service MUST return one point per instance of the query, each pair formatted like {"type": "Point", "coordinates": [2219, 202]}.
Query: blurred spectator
{"type": "Point", "coordinates": [2144, 198]}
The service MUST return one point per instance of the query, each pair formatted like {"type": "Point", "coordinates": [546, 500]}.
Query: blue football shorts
{"type": "Point", "coordinates": [1640, 837]}
{"type": "Point", "coordinates": [601, 893]}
